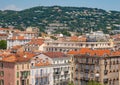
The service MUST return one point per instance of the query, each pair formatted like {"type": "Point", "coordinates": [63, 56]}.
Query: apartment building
{"type": "Point", "coordinates": [17, 40]}
{"type": "Point", "coordinates": [66, 46]}
{"type": "Point", "coordinates": [22, 69]}
{"type": "Point", "coordinates": [8, 30]}
{"type": "Point", "coordinates": [15, 68]}
{"type": "Point", "coordinates": [50, 68]}
{"type": "Point", "coordinates": [7, 73]}
{"type": "Point", "coordinates": [34, 45]}
{"type": "Point", "coordinates": [102, 66]}
{"type": "Point", "coordinates": [27, 34]}
{"type": "Point", "coordinates": [3, 36]}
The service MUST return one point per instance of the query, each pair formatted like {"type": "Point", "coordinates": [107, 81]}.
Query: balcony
{"type": "Point", "coordinates": [85, 78]}
{"type": "Point", "coordinates": [86, 70]}
{"type": "Point", "coordinates": [105, 72]}
{"type": "Point", "coordinates": [105, 81]}
{"type": "Point", "coordinates": [65, 72]}
{"type": "Point", "coordinates": [23, 77]}
{"type": "Point", "coordinates": [24, 74]}
{"type": "Point", "coordinates": [76, 70]}
{"type": "Point", "coordinates": [57, 73]}
{"type": "Point", "coordinates": [41, 75]}
{"type": "Point", "coordinates": [105, 63]}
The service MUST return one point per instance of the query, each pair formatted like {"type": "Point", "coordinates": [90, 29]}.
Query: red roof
{"type": "Point", "coordinates": [36, 41]}
{"type": "Point", "coordinates": [19, 57]}
{"type": "Point", "coordinates": [55, 54]}
{"type": "Point", "coordinates": [95, 52]}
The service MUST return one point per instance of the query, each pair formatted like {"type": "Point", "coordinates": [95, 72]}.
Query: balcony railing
{"type": "Point", "coordinates": [57, 73]}
{"type": "Point", "coordinates": [66, 72]}
{"type": "Point", "coordinates": [41, 75]}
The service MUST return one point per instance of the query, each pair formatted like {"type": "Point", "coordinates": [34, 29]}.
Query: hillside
{"type": "Point", "coordinates": [78, 19]}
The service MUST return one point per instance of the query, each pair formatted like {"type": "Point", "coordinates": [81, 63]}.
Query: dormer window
{"type": "Point", "coordinates": [32, 64]}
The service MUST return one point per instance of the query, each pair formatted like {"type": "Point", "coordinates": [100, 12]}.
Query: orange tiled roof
{"type": "Point", "coordinates": [18, 38]}
{"type": "Point", "coordinates": [19, 57]}
{"type": "Point", "coordinates": [74, 38]}
{"type": "Point", "coordinates": [43, 63]}
{"type": "Point", "coordinates": [25, 32]}
{"type": "Point", "coordinates": [36, 41]}
{"type": "Point", "coordinates": [3, 35]}
{"type": "Point", "coordinates": [116, 53]}
{"type": "Point", "coordinates": [55, 54]}
{"type": "Point", "coordinates": [10, 29]}
{"type": "Point", "coordinates": [16, 47]}
{"type": "Point", "coordinates": [2, 28]}
{"type": "Point", "coordinates": [95, 52]}
{"type": "Point", "coordinates": [11, 58]}
{"type": "Point", "coordinates": [24, 57]}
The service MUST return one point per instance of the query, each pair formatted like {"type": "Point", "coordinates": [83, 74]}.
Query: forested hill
{"type": "Point", "coordinates": [76, 18]}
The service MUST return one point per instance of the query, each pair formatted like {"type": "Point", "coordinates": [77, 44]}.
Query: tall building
{"type": "Point", "coordinates": [102, 66]}
{"type": "Point", "coordinates": [50, 68]}
{"type": "Point", "coordinates": [15, 68]}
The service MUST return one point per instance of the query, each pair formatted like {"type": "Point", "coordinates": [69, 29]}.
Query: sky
{"type": "Point", "coordinates": [24, 4]}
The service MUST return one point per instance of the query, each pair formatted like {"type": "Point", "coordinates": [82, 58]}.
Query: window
{"type": "Point", "coordinates": [64, 61]}
{"type": "Point", "coordinates": [117, 61]}
{"type": "Point", "coordinates": [1, 65]}
{"type": "Point", "coordinates": [41, 72]}
{"type": "Point", "coordinates": [105, 72]}
{"type": "Point", "coordinates": [17, 82]}
{"type": "Point", "coordinates": [17, 67]}
{"type": "Point", "coordinates": [110, 64]}
{"type": "Point", "coordinates": [1, 82]}
{"type": "Point", "coordinates": [17, 74]}
{"type": "Point", "coordinates": [1, 73]}
{"type": "Point", "coordinates": [22, 66]}
{"type": "Point", "coordinates": [27, 81]}
{"type": "Point", "coordinates": [28, 72]}
{"type": "Point", "coordinates": [86, 60]}
{"type": "Point", "coordinates": [28, 66]}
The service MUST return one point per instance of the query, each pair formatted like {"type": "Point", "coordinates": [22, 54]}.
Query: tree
{"type": "Point", "coordinates": [70, 83]}
{"type": "Point", "coordinates": [93, 83]}
{"type": "Point", "coordinates": [3, 44]}
{"type": "Point", "coordinates": [53, 37]}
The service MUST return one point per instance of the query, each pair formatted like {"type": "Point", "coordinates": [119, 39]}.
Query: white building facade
{"type": "Point", "coordinates": [16, 40]}
{"type": "Point", "coordinates": [50, 70]}
{"type": "Point", "coordinates": [65, 46]}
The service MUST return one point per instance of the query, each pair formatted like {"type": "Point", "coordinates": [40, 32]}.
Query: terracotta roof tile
{"type": "Point", "coordinates": [36, 42]}
{"type": "Point", "coordinates": [3, 35]}
{"type": "Point", "coordinates": [16, 47]}
{"type": "Point", "coordinates": [74, 38]}
{"type": "Point", "coordinates": [98, 52]}
{"type": "Point", "coordinates": [43, 63]}
{"type": "Point", "coordinates": [18, 38]}
{"type": "Point", "coordinates": [19, 57]}
{"type": "Point", "coordinates": [55, 54]}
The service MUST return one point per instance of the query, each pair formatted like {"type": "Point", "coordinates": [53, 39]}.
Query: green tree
{"type": "Point", "coordinates": [93, 83]}
{"type": "Point", "coordinates": [3, 44]}
{"type": "Point", "coordinates": [70, 83]}
{"type": "Point", "coordinates": [53, 37]}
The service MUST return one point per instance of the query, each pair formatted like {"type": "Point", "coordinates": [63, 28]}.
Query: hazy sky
{"type": "Point", "coordinates": [23, 4]}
